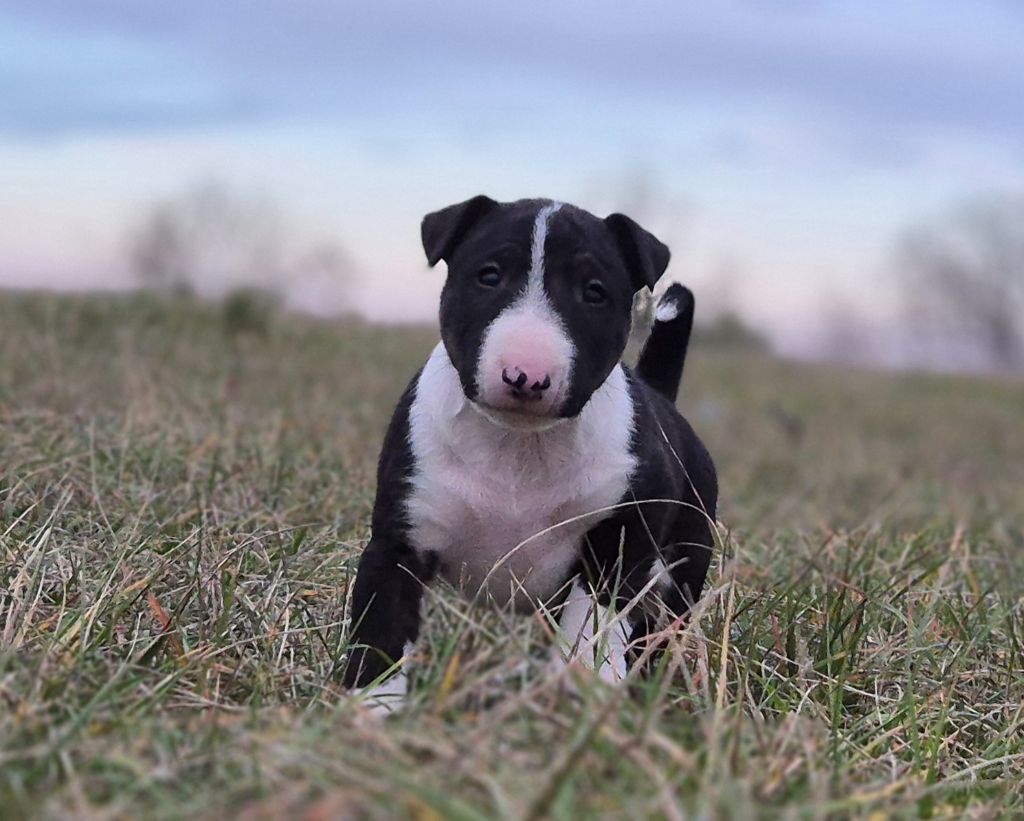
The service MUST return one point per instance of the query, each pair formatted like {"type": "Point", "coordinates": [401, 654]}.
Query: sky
{"type": "Point", "coordinates": [780, 148]}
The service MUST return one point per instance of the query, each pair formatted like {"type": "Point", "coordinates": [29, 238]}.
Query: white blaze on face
{"type": "Point", "coordinates": [528, 337]}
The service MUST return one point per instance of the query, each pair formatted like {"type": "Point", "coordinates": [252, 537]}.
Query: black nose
{"type": "Point", "coordinates": [520, 385]}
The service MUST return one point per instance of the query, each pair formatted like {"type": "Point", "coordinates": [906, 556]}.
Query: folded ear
{"type": "Point", "coordinates": [646, 256]}
{"type": "Point", "coordinates": [443, 230]}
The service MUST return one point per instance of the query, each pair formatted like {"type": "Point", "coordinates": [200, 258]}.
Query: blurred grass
{"type": "Point", "coordinates": [183, 497]}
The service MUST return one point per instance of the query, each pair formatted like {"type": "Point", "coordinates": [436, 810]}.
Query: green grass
{"type": "Point", "coordinates": [181, 512]}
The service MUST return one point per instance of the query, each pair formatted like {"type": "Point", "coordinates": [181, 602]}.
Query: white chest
{"type": "Point", "coordinates": [506, 510]}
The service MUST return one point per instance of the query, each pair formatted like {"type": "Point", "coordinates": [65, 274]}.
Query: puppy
{"type": "Point", "coordinates": [525, 463]}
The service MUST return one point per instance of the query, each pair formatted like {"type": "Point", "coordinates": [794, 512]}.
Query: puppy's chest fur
{"type": "Point", "coordinates": [507, 509]}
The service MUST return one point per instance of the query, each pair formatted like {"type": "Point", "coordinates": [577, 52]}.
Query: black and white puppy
{"type": "Point", "coordinates": [525, 463]}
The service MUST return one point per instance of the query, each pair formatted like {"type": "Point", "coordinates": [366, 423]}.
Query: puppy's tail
{"type": "Point", "coordinates": [664, 354]}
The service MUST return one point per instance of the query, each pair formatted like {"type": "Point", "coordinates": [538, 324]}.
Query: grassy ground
{"type": "Point", "coordinates": [181, 510]}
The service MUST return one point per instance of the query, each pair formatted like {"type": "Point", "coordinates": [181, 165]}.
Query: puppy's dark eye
{"type": "Point", "coordinates": [594, 293]}
{"type": "Point", "coordinates": [489, 276]}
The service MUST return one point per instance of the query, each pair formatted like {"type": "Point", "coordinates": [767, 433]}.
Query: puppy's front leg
{"type": "Point", "coordinates": [617, 555]}
{"type": "Point", "coordinates": [592, 634]}
{"type": "Point", "coordinates": [385, 614]}
{"type": "Point", "coordinates": [630, 570]}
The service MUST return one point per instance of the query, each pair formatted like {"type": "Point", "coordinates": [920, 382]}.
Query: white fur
{"type": "Point", "coordinates": [661, 575]}
{"type": "Point", "coordinates": [593, 635]}
{"type": "Point", "coordinates": [540, 238]}
{"type": "Point", "coordinates": [388, 696]}
{"type": "Point", "coordinates": [530, 336]}
{"type": "Point", "coordinates": [667, 310]}
{"type": "Point", "coordinates": [505, 509]}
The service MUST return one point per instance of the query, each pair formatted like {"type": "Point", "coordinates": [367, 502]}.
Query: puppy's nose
{"type": "Point", "coordinates": [523, 385]}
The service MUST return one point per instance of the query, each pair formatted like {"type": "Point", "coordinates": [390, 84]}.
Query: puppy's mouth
{"type": "Point", "coordinates": [521, 416]}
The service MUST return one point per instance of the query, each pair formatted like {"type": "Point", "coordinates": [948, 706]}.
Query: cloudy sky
{"type": "Point", "coordinates": [779, 147]}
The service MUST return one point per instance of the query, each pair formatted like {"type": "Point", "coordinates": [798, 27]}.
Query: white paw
{"type": "Point", "coordinates": [592, 637]}
{"type": "Point", "coordinates": [389, 696]}
{"type": "Point", "coordinates": [385, 698]}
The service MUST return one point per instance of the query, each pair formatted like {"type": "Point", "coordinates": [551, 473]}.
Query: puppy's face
{"type": "Point", "coordinates": [535, 311]}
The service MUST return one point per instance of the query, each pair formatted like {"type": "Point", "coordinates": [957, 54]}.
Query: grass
{"type": "Point", "coordinates": [182, 507]}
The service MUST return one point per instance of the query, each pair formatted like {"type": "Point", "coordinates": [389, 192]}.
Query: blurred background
{"type": "Point", "coordinates": [837, 180]}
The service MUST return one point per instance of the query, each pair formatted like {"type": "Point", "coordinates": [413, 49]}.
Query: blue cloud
{"type": "Point", "coordinates": [73, 66]}
{"type": "Point", "coordinates": [54, 81]}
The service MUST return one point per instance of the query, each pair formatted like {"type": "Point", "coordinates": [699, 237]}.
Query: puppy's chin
{"type": "Point", "coordinates": [525, 417]}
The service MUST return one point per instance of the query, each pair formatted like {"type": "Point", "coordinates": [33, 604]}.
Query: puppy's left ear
{"type": "Point", "coordinates": [443, 230]}
{"type": "Point", "coordinates": [645, 255]}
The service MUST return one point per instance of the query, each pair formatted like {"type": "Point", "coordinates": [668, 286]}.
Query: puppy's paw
{"type": "Point", "coordinates": [593, 638]}
{"type": "Point", "coordinates": [384, 699]}
{"type": "Point", "coordinates": [610, 669]}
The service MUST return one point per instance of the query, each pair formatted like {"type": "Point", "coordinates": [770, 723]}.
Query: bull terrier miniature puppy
{"type": "Point", "coordinates": [525, 464]}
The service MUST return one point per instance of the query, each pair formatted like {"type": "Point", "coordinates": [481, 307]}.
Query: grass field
{"type": "Point", "coordinates": [182, 507]}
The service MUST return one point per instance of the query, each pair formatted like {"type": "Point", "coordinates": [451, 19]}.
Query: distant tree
{"type": "Point", "coordinates": [321, 275]}
{"type": "Point", "coordinates": [640, 193]}
{"type": "Point", "coordinates": [247, 311]}
{"type": "Point", "coordinates": [964, 276]}
{"type": "Point", "coordinates": [846, 335]}
{"type": "Point", "coordinates": [160, 251]}
{"type": "Point", "coordinates": [213, 241]}
{"type": "Point", "coordinates": [209, 240]}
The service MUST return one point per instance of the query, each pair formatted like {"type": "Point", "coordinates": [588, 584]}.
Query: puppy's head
{"type": "Point", "coordinates": [535, 311]}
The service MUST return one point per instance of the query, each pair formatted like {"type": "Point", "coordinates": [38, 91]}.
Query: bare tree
{"type": "Point", "coordinates": [638, 192]}
{"type": "Point", "coordinates": [214, 241]}
{"type": "Point", "coordinates": [321, 278]}
{"type": "Point", "coordinates": [963, 278]}
{"type": "Point", "coordinates": [209, 240]}
{"type": "Point", "coordinates": [846, 337]}
{"type": "Point", "coordinates": [160, 252]}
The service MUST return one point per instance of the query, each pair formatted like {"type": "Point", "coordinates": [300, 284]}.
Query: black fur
{"type": "Point", "coordinates": [389, 584]}
{"type": "Point", "coordinates": [670, 505]}
{"type": "Point", "coordinates": [645, 255]}
{"type": "Point", "coordinates": [444, 230]}
{"type": "Point", "coordinates": [664, 353]}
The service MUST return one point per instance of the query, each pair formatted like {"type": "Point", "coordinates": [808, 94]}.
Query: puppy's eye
{"type": "Point", "coordinates": [594, 293]}
{"type": "Point", "coordinates": [489, 276]}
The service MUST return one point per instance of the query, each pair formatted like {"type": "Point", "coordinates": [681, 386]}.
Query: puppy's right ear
{"type": "Point", "coordinates": [443, 230]}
